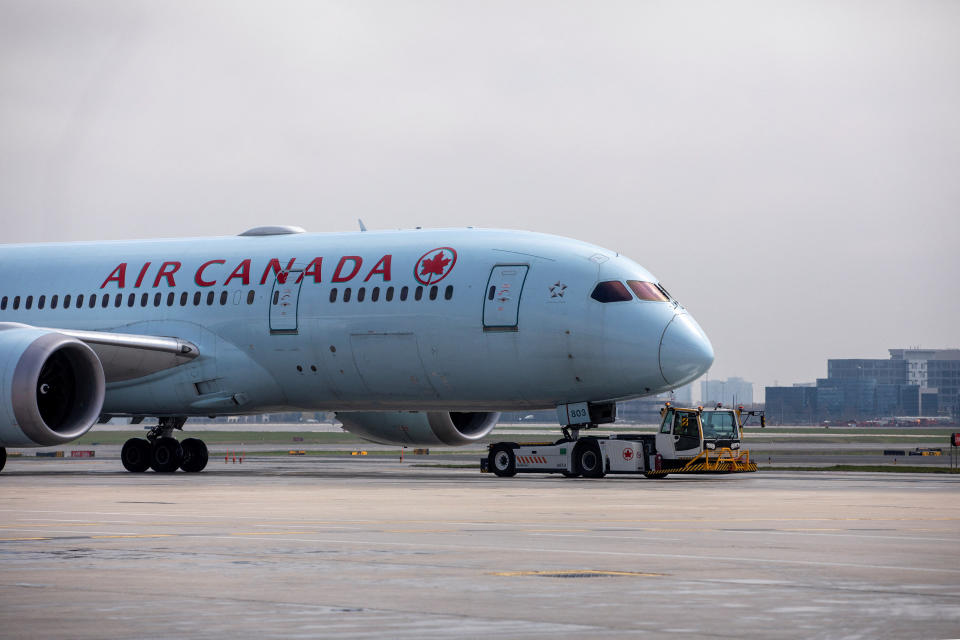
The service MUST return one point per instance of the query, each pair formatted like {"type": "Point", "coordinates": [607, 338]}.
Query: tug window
{"type": "Point", "coordinates": [647, 291]}
{"type": "Point", "coordinates": [611, 291]}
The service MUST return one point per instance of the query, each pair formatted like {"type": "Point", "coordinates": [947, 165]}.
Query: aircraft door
{"type": "Point", "coordinates": [285, 301]}
{"type": "Point", "coordinates": [501, 304]}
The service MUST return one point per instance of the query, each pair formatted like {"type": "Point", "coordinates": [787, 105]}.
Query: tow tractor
{"type": "Point", "coordinates": [689, 440]}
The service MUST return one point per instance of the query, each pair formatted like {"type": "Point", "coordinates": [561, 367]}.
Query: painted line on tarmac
{"type": "Point", "coordinates": [630, 554]}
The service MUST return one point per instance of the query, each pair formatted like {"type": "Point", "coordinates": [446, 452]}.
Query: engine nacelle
{"type": "Point", "coordinates": [449, 428]}
{"type": "Point", "coordinates": [51, 387]}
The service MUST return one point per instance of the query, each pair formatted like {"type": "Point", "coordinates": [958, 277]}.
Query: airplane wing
{"type": "Point", "coordinates": [125, 356]}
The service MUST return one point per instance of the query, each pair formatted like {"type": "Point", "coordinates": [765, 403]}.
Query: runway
{"type": "Point", "coordinates": [324, 547]}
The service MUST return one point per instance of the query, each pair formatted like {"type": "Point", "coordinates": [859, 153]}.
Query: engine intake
{"type": "Point", "coordinates": [52, 387]}
{"type": "Point", "coordinates": [451, 428]}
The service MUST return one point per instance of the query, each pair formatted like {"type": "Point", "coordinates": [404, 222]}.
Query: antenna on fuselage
{"type": "Point", "coordinates": [363, 227]}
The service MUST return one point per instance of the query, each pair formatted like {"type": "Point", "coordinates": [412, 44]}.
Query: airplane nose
{"type": "Point", "coordinates": [685, 351]}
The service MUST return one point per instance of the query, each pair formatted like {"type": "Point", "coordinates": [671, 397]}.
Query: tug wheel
{"type": "Point", "coordinates": [589, 460]}
{"type": "Point", "coordinates": [502, 461]}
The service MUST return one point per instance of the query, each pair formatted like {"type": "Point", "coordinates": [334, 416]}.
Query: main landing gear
{"type": "Point", "coordinates": [162, 452]}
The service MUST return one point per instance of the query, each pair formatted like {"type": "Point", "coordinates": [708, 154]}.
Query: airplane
{"type": "Point", "coordinates": [413, 337]}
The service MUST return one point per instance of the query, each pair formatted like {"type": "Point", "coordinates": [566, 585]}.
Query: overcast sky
{"type": "Point", "coordinates": [790, 171]}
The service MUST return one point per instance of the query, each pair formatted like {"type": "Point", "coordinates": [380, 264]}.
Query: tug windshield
{"type": "Point", "coordinates": [719, 424]}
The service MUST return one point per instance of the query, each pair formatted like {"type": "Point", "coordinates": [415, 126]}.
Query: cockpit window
{"type": "Point", "coordinates": [648, 291]}
{"type": "Point", "coordinates": [611, 291]}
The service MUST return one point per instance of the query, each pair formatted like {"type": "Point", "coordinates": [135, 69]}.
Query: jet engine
{"type": "Point", "coordinates": [451, 428]}
{"type": "Point", "coordinates": [51, 387]}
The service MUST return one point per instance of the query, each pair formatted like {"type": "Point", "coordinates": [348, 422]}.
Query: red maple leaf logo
{"type": "Point", "coordinates": [435, 265]}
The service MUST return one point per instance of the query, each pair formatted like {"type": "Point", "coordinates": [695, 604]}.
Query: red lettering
{"type": "Point", "coordinates": [118, 275]}
{"type": "Point", "coordinates": [337, 277]}
{"type": "Point", "coordinates": [164, 273]}
{"type": "Point", "coordinates": [143, 272]}
{"type": "Point", "coordinates": [242, 271]}
{"type": "Point", "coordinates": [199, 277]}
{"type": "Point", "coordinates": [382, 267]}
{"type": "Point", "coordinates": [313, 269]}
{"type": "Point", "coordinates": [275, 265]}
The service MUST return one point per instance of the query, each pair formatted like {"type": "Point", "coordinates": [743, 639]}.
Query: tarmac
{"type": "Point", "coordinates": [371, 548]}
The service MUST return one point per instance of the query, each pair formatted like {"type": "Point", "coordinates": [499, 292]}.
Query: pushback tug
{"type": "Point", "coordinates": [689, 440]}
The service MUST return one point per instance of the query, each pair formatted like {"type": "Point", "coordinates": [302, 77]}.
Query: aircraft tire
{"type": "Point", "coordinates": [589, 460]}
{"type": "Point", "coordinates": [502, 461]}
{"type": "Point", "coordinates": [195, 455]}
{"type": "Point", "coordinates": [136, 455]}
{"type": "Point", "coordinates": [166, 455]}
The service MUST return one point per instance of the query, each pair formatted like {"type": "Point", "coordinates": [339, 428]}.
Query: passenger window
{"type": "Point", "coordinates": [346, 294]}
{"type": "Point", "coordinates": [183, 299]}
{"type": "Point", "coordinates": [29, 302]}
{"type": "Point", "coordinates": [223, 298]}
{"type": "Point", "coordinates": [171, 297]}
{"type": "Point", "coordinates": [156, 299]}
{"type": "Point", "coordinates": [403, 293]}
{"type": "Point", "coordinates": [418, 294]}
{"type": "Point", "coordinates": [196, 298]}
{"type": "Point", "coordinates": [611, 291]}
{"type": "Point", "coordinates": [66, 301]}
{"type": "Point", "coordinates": [448, 292]}
{"type": "Point", "coordinates": [375, 294]}
{"type": "Point", "coordinates": [361, 294]}
{"type": "Point", "coordinates": [105, 301]}
{"type": "Point", "coordinates": [16, 302]}
{"type": "Point", "coordinates": [250, 296]}
{"type": "Point", "coordinates": [333, 294]}
{"type": "Point", "coordinates": [389, 294]}
{"type": "Point", "coordinates": [92, 300]}
{"type": "Point", "coordinates": [209, 298]}
{"type": "Point", "coordinates": [54, 300]}
{"type": "Point", "coordinates": [3, 303]}
{"type": "Point", "coordinates": [433, 292]}
{"type": "Point", "coordinates": [131, 299]}
{"type": "Point", "coordinates": [647, 291]}
{"type": "Point", "coordinates": [41, 301]}
{"type": "Point", "coordinates": [118, 300]}
{"type": "Point", "coordinates": [143, 299]}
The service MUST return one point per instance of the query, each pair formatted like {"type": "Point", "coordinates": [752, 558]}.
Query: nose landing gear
{"type": "Point", "coordinates": [161, 452]}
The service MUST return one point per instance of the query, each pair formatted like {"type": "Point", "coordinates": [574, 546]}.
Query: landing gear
{"type": "Point", "coordinates": [161, 451]}
{"type": "Point", "coordinates": [135, 455]}
{"type": "Point", "coordinates": [195, 455]}
{"type": "Point", "coordinates": [167, 455]}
